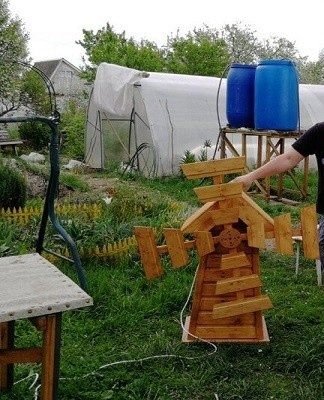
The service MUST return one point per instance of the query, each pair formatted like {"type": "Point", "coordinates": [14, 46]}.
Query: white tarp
{"type": "Point", "coordinates": [119, 83]}
{"type": "Point", "coordinates": [165, 115]}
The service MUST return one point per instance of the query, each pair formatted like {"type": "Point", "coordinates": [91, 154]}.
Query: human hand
{"type": "Point", "coordinates": [245, 180]}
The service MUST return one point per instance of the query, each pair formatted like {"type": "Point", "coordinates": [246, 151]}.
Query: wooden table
{"type": "Point", "coordinates": [32, 288]}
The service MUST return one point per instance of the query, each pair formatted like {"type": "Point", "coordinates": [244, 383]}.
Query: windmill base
{"type": "Point", "coordinates": [188, 338]}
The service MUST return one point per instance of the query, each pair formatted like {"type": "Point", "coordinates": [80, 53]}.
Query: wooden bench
{"type": "Point", "coordinates": [32, 288]}
{"type": "Point", "coordinates": [13, 143]}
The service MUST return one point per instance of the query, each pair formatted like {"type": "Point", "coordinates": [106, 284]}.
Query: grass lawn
{"type": "Point", "coordinates": [128, 345]}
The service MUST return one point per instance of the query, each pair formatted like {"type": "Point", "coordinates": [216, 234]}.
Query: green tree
{"type": "Point", "coordinates": [13, 48]}
{"type": "Point", "coordinates": [312, 72]}
{"type": "Point", "coordinates": [244, 46]}
{"type": "Point", "coordinates": [34, 93]}
{"type": "Point", "coordinates": [73, 125]}
{"type": "Point", "coordinates": [279, 48]}
{"type": "Point", "coordinates": [115, 48]}
{"type": "Point", "coordinates": [204, 51]}
{"type": "Point", "coordinates": [201, 52]}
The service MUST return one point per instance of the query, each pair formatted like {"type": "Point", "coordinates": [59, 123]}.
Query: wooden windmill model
{"type": "Point", "coordinates": [228, 230]}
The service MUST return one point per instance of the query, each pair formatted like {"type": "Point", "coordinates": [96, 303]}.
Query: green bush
{"type": "Point", "coordinates": [36, 134]}
{"type": "Point", "coordinates": [13, 188]}
{"type": "Point", "coordinates": [73, 125]}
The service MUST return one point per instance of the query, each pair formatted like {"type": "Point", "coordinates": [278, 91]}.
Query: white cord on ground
{"type": "Point", "coordinates": [214, 349]}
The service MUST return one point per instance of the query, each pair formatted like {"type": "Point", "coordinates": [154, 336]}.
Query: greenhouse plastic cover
{"type": "Point", "coordinates": [181, 112]}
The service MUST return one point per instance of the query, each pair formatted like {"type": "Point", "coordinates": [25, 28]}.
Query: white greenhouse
{"type": "Point", "coordinates": [148, 121]}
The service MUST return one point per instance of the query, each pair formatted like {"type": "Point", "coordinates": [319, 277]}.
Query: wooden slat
{"type": "Point", "coordinates": [235, 260]}
{"type": "Point", "coordinates": [213, 168]}
{"type": "Point", "coordinates": [204, 243]}
{"type": "Point", "coordinates": [6, 341]}
{"type": "Point", "coordinates": [26, 355]}
{"type": "Point", "coordinates": [268, 221]}
{"type": "Point", "coordinates": [219, 192]}
{"type": "Point", "coordinates": [206, 318]}
{"type": "Point", "coordinates": [228, 332]}
{"type": "Point", "coordinates": [148, 251]}
{"type": "Point", "coordinates": [237, 284]}
{"type": "Point", "coordinates": [249, 215]}
{"type": "Point", "coordinates": [283, 234]}
{"type": "Point", "coordinates": [309, 232]}
{"type": "Point", "coordinates": [256, 235]}
{"type": "Point", "coordinates": [176, 247]}
{"type": "Point", "coordinates": [225, 216]}
{"type": "Point", "coordinates": [241, 306]}
{"type": "Point", "coordinates": [200, 220]}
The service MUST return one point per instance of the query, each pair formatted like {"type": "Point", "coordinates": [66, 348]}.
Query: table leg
{"type": "Point", "coordinates": [6, 342]}
{"type": "Point", "coordinates": [51, 357]}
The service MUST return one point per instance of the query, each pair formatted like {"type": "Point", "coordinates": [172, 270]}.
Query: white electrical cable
{"type": "Point", "coordinates": [214, 347]}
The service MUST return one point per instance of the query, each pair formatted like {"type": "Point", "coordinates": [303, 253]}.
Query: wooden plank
{"type": "Point", "coordinates": [256, 235]}
{"type": "Point", "coordinates": [206, 318]}
{"type": "Point", "coordinates": [200, 220]}
{"type": "Point", "coordinates": [204, 243]}
{"type": "Point", "coordinates": [219, 192]}
{"type": "Point", "coordinates": [176, 247]}
{"type": "Point", "coordinates": [225, 216]}
{"type": "Point", "coordinates": [208, 303]}
{"type": "Point", "coordinates": [51, 357]}
{"type": "Point", "coordinates": [213, 168]}
{"type": "Point", "coordinates": [6, 342]}
{"type": "Point", "coordinates": [235, 260]}
{"type": "Point", "coordinates": [237, 284]}
{"type": "Point", "coordinates": [249, 215]}
{"type": "Point", "coordinates": [234, 334]}
{"type": "Point", "coordinates": [283, 234]}
{"type": "Point", "coordinates": [308, 219]}
{"type": "Point", "coordinates": [148, 251]}
{"type": "Point", "coordinates": [241, 306]}
{"type": "Point", "coordinates": [196, 302]}
{"type": "Point", "coordinates": [228, 332]}
{"type": "Point", "coordinates": [22, 355]}
{"type": "Point", "coordinates": [268, 221]}
{"type": "Point", "coordinates": [209, 291]}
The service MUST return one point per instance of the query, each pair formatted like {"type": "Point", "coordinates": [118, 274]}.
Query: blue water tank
{"type": "Point", "coordinates": [276, 96]}
{"type": "Point", "coordinates": [240, 95]}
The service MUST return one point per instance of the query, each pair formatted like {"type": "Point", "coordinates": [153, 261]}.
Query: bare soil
{"type": "Point", "coordinates": [99, 187]}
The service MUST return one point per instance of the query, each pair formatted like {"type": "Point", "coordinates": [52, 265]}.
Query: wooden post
{"type": "Point", "coordinates": [6, 343]}
{"type": "Point", "coordinates": [51, 357]}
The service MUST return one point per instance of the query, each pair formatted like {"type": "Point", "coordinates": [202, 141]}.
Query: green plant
{"type": "Point", "coordinates": [36, 134]}
{"type": "Point", "coordinates": [13, 188]}
{"type": "Point", "coordinates": [188, 157]}
{"type": "Point", "coordinates": [74, 182]}
{"type": "Point", "coordinates": [72, 128]}
{"type": "Point", "coordinates": [203, 156]}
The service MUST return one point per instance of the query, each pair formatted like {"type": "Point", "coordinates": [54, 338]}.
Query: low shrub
{"type": "Point", "coordinates": [13, 188]}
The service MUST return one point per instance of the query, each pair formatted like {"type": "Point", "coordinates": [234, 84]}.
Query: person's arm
{"type": "Point", "coordinates": [277, 165]}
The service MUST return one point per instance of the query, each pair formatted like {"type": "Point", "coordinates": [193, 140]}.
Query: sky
{"type": "Point", "coordinates": [54, 26]}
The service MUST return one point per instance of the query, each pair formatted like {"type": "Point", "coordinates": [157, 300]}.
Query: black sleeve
{"type": "Point", "coordinates": [312, 141]}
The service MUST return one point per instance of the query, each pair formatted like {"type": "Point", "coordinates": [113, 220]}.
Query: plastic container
{"type": "Point", "coordinates": [240, 95]}
{"type": "Point", "coordinates": [276, 96]}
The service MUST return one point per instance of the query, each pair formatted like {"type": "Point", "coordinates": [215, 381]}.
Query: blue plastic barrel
{"type": "Point", "coordinates": [276, 96]}
{"type": "Point", "coordinates": [240, 95]}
